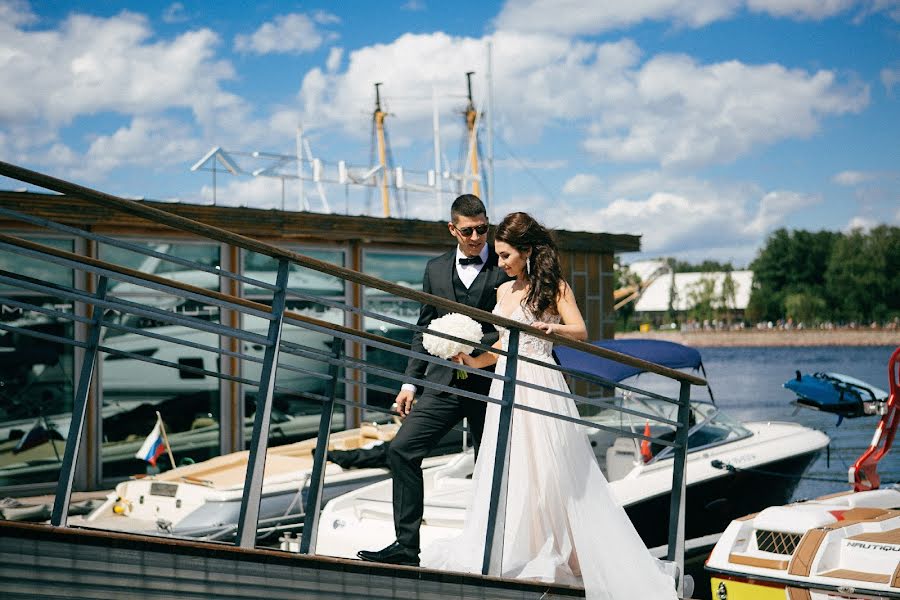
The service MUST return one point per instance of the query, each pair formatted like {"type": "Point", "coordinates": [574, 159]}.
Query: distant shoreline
{"type": "Point", "coordinates": [775, 337]}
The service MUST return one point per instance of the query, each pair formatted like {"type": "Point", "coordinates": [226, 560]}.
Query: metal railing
{"type": "Point", "coordinates": [333, 366]}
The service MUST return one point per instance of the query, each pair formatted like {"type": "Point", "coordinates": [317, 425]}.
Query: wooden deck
{"type": "Point", "coordinates": [41, 561]}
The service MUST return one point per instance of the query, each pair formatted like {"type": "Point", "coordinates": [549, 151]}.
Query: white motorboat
{"type": "Point", "coordinates": [204, 499]}
{"type": "Point", "coordinates": [839, 546]}
{"type": "Point", "coordinates": [844, 545]}
{"type": "Point", "coordinates": [729, 470]}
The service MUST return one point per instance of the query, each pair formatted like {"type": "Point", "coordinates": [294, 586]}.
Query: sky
{"type": "Point", "coordinates": [701, 125]}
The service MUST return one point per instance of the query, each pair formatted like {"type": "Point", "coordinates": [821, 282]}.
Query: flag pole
{"type": "Point", "coordinates": [162, 428]}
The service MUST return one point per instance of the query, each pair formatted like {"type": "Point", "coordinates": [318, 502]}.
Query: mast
{"type": "Point", "coordinates": [379, 116]}
{"type": "Point", "coordinates": [471, 123]}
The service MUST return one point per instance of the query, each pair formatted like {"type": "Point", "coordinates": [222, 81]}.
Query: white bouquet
{"type": "Point", "coordinates": [459, 326]}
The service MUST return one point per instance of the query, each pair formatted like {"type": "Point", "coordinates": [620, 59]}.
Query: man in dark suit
{"type": "Point", "coordinates": [468, 274]}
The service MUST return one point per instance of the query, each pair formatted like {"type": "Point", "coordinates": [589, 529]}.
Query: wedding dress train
{"type": "Point", "coordinates": [562, 523]}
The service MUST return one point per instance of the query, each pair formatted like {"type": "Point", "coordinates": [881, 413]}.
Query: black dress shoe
{"type": "Point", "coordinates": [395, 554]}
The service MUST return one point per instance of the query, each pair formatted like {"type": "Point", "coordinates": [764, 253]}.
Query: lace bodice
{"type": "Point", "coordinates": [528, 344]}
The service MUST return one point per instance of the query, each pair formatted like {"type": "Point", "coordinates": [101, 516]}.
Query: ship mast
{"type": "Point", "coordinates": [471, 126]}
{"type": "Point", "coordinates": [379, 116]}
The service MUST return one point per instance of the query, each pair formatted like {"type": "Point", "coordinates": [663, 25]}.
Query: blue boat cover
{"type": "Point", "coordinates": [667, 354]}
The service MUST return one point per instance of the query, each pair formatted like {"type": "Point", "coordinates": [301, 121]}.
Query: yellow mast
{"type": "Point", "coordinates": [379, 116]}
{"type": "Point", "coordinates": [471, 118]}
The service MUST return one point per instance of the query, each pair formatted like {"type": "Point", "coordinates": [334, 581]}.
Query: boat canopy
{"type": "Point", "coordinates": [667, 354]}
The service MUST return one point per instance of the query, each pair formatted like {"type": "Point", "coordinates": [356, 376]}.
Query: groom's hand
{"type": "Point", "coordinates": [404, 402]}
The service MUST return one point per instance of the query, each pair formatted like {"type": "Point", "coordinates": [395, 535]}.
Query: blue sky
{"type": "Point", "coordinates": [702, 125]}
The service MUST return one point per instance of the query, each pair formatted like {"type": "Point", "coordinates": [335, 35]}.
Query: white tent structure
{"type": "Point", "coordinates": [655, 298]}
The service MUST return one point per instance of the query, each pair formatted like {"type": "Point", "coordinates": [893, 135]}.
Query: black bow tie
{"type": "Point", "coordinates": [472, 260]}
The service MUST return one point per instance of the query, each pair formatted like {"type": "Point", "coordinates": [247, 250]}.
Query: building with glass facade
{"type": "Point", "coordinates": [207, 416]}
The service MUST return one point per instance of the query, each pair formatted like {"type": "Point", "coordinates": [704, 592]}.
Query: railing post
{"type": "Point", "coordinates": [493, 543]}
{"type": "Point", "coordinates": [60, 513]}
{"type": "Point", "coordinates": [317, 478]}
{"type": "Point", "coordinates": [256, 461]}
{"type": "Point", "coordinates": [676, 507]}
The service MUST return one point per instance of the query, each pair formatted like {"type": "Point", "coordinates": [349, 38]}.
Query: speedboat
{"type": "Point", "coordinates": [729, 466]}
{"type": "Point", "coordinates": [843, 545]}
{"type": "Point", "coordinates": [203, 500]}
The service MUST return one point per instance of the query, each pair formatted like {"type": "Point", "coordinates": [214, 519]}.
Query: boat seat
{"type": "Point", "coordinates": [621, 458]}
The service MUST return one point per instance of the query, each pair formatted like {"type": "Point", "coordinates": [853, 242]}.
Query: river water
{"type": "Point", "coordinates": [747, 383]}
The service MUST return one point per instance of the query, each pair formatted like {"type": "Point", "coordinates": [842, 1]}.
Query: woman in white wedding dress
{"type": "Point", "coordinates": [562, 523]}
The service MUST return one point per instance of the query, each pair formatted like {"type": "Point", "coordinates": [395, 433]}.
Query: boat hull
{"type": "Point", "coordinates": [712, 504]}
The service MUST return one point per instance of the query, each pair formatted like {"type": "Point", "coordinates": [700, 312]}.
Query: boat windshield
{"type": "Point", "coordinates": [709, 426]}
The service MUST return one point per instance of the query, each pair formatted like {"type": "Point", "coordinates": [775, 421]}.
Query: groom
{"type": "Point", "coordinates": [468, 274]}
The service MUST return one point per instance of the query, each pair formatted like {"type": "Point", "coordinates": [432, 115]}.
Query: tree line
{"type": "Point", "coordinates": [826, 276]}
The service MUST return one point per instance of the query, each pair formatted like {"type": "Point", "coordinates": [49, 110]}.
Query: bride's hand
{"type": "Point", "coordinates": [546, 327]}
{"type": "Point", "coordinates": [463, 359]}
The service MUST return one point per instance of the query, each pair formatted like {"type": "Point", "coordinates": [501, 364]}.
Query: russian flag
{"type": "Point", "coordinates": [153, 446]}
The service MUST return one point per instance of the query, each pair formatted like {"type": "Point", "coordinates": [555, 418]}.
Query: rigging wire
{"type": "Point", "coordinates": [526, 168]}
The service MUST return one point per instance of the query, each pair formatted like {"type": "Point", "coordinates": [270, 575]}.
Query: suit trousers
{"type": "Point", "coordinates": [434, 414]}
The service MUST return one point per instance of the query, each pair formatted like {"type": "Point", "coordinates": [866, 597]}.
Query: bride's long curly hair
{"type": "Point", "coordinates": [522, 232]}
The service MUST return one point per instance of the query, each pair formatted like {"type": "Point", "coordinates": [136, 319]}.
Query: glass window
{"type": "Point", "coordinates": [36, 375]}
{"type": "Point", "coordinates": [41, 270]}
{"type": "Point", "coordinates": [406, 269]}
{"type": "Point", "coordinates": [300, 380]}
{"type": "Point", "coordinates": [134, 390]}
{"type": "Point", "coordinates": [36, 391]}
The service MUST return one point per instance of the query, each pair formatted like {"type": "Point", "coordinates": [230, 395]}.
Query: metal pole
{"type": "Point", "coordinates": [493, 542]}
{"type": "Point", "coordinates": [301, 194]}
{"type": "Point", "coordinates": [256, 462]}
{"type": "Point", "coordinates": [676, 507]}
{"type": "Point", "coordinates": [490, 132]}
{"type": "Point", "coordinates": [60, 513]}
{"type": "Point", "coordinates": [316, 479]}
{"type": "Point", "coordinates": [436, 125]}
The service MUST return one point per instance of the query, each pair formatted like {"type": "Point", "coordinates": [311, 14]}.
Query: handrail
{"type": "Point", "coordinates": [188, 288]}
{"type": "Point", "coordinates": [274, 344]}
{"type": "Point", "coordinates": [224, 236]}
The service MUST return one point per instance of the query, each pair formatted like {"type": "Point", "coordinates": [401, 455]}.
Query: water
{"type": "Point", "coordinates": [747, 383]}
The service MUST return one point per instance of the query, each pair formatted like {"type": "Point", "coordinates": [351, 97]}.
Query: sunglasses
{"type": "Point", "coordinates": [467, 231]}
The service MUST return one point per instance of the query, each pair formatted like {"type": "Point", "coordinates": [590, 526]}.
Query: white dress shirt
{"type": "Point", "coordinates": [468, 273]}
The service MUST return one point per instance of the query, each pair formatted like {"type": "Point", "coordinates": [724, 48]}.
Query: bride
{"type": "Point", "coordinates": [562, 523]}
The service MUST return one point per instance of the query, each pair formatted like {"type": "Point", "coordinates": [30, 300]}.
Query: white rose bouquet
{"type": "Point", "coordinates": [459, 326]}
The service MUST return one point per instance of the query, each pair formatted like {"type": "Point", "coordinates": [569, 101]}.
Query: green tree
{"type": "Point", "coordinates": [790, 262]}
{"type": "Point", "coordinates": [728, 297]}
{"type": "Point", "coordinates": [862, 274]}
{"type": "Point", "coordinates": [702, 299]}
{"type": "Point", "coordinates": [804, 308]}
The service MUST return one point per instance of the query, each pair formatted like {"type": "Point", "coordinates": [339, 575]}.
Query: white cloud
{"type": "Point", "coordinates": [414, 6]}
{"type": "Point", "coordinates": [576, 17]}
{"type": "Point", "coordinates": [854, 177]}
{"type": "Point", "coordinates": [573, 17]}
{"type": "Point", "coordinates": [802, 9]}
{"type": "Point", "coordinates": [256, 192]}
{"type": "Point", "coordinates": [582, 185]}
{"type": "Point", "coordinates": [174, 13]}
{"type": "Point", "coordinates": [859, 222]}
{"type": "Point", "coordinates": [16, 13]}
{"type": "Point", "coordinates": [93, 65]}
{"type": "Point", "coordinates": [294, 33]}
{"type": "Point", "coordinates": [521, 164]}
{"type": "Point", "coordinates": [682, 112]}
{"type": "Point", "coordinates": [144, 142]}
{"type": "Point", "coordinates": [687, 216]}
{"type": "Point", "coordinates": [334, 59]}
{"type": "Point", "coordinates": [890, 76]}
{"type": "Point", "coordinates": [670, 109]}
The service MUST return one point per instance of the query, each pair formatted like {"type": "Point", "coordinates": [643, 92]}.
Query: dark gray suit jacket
{"type": "Point", "coordinates": [438, 281]}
